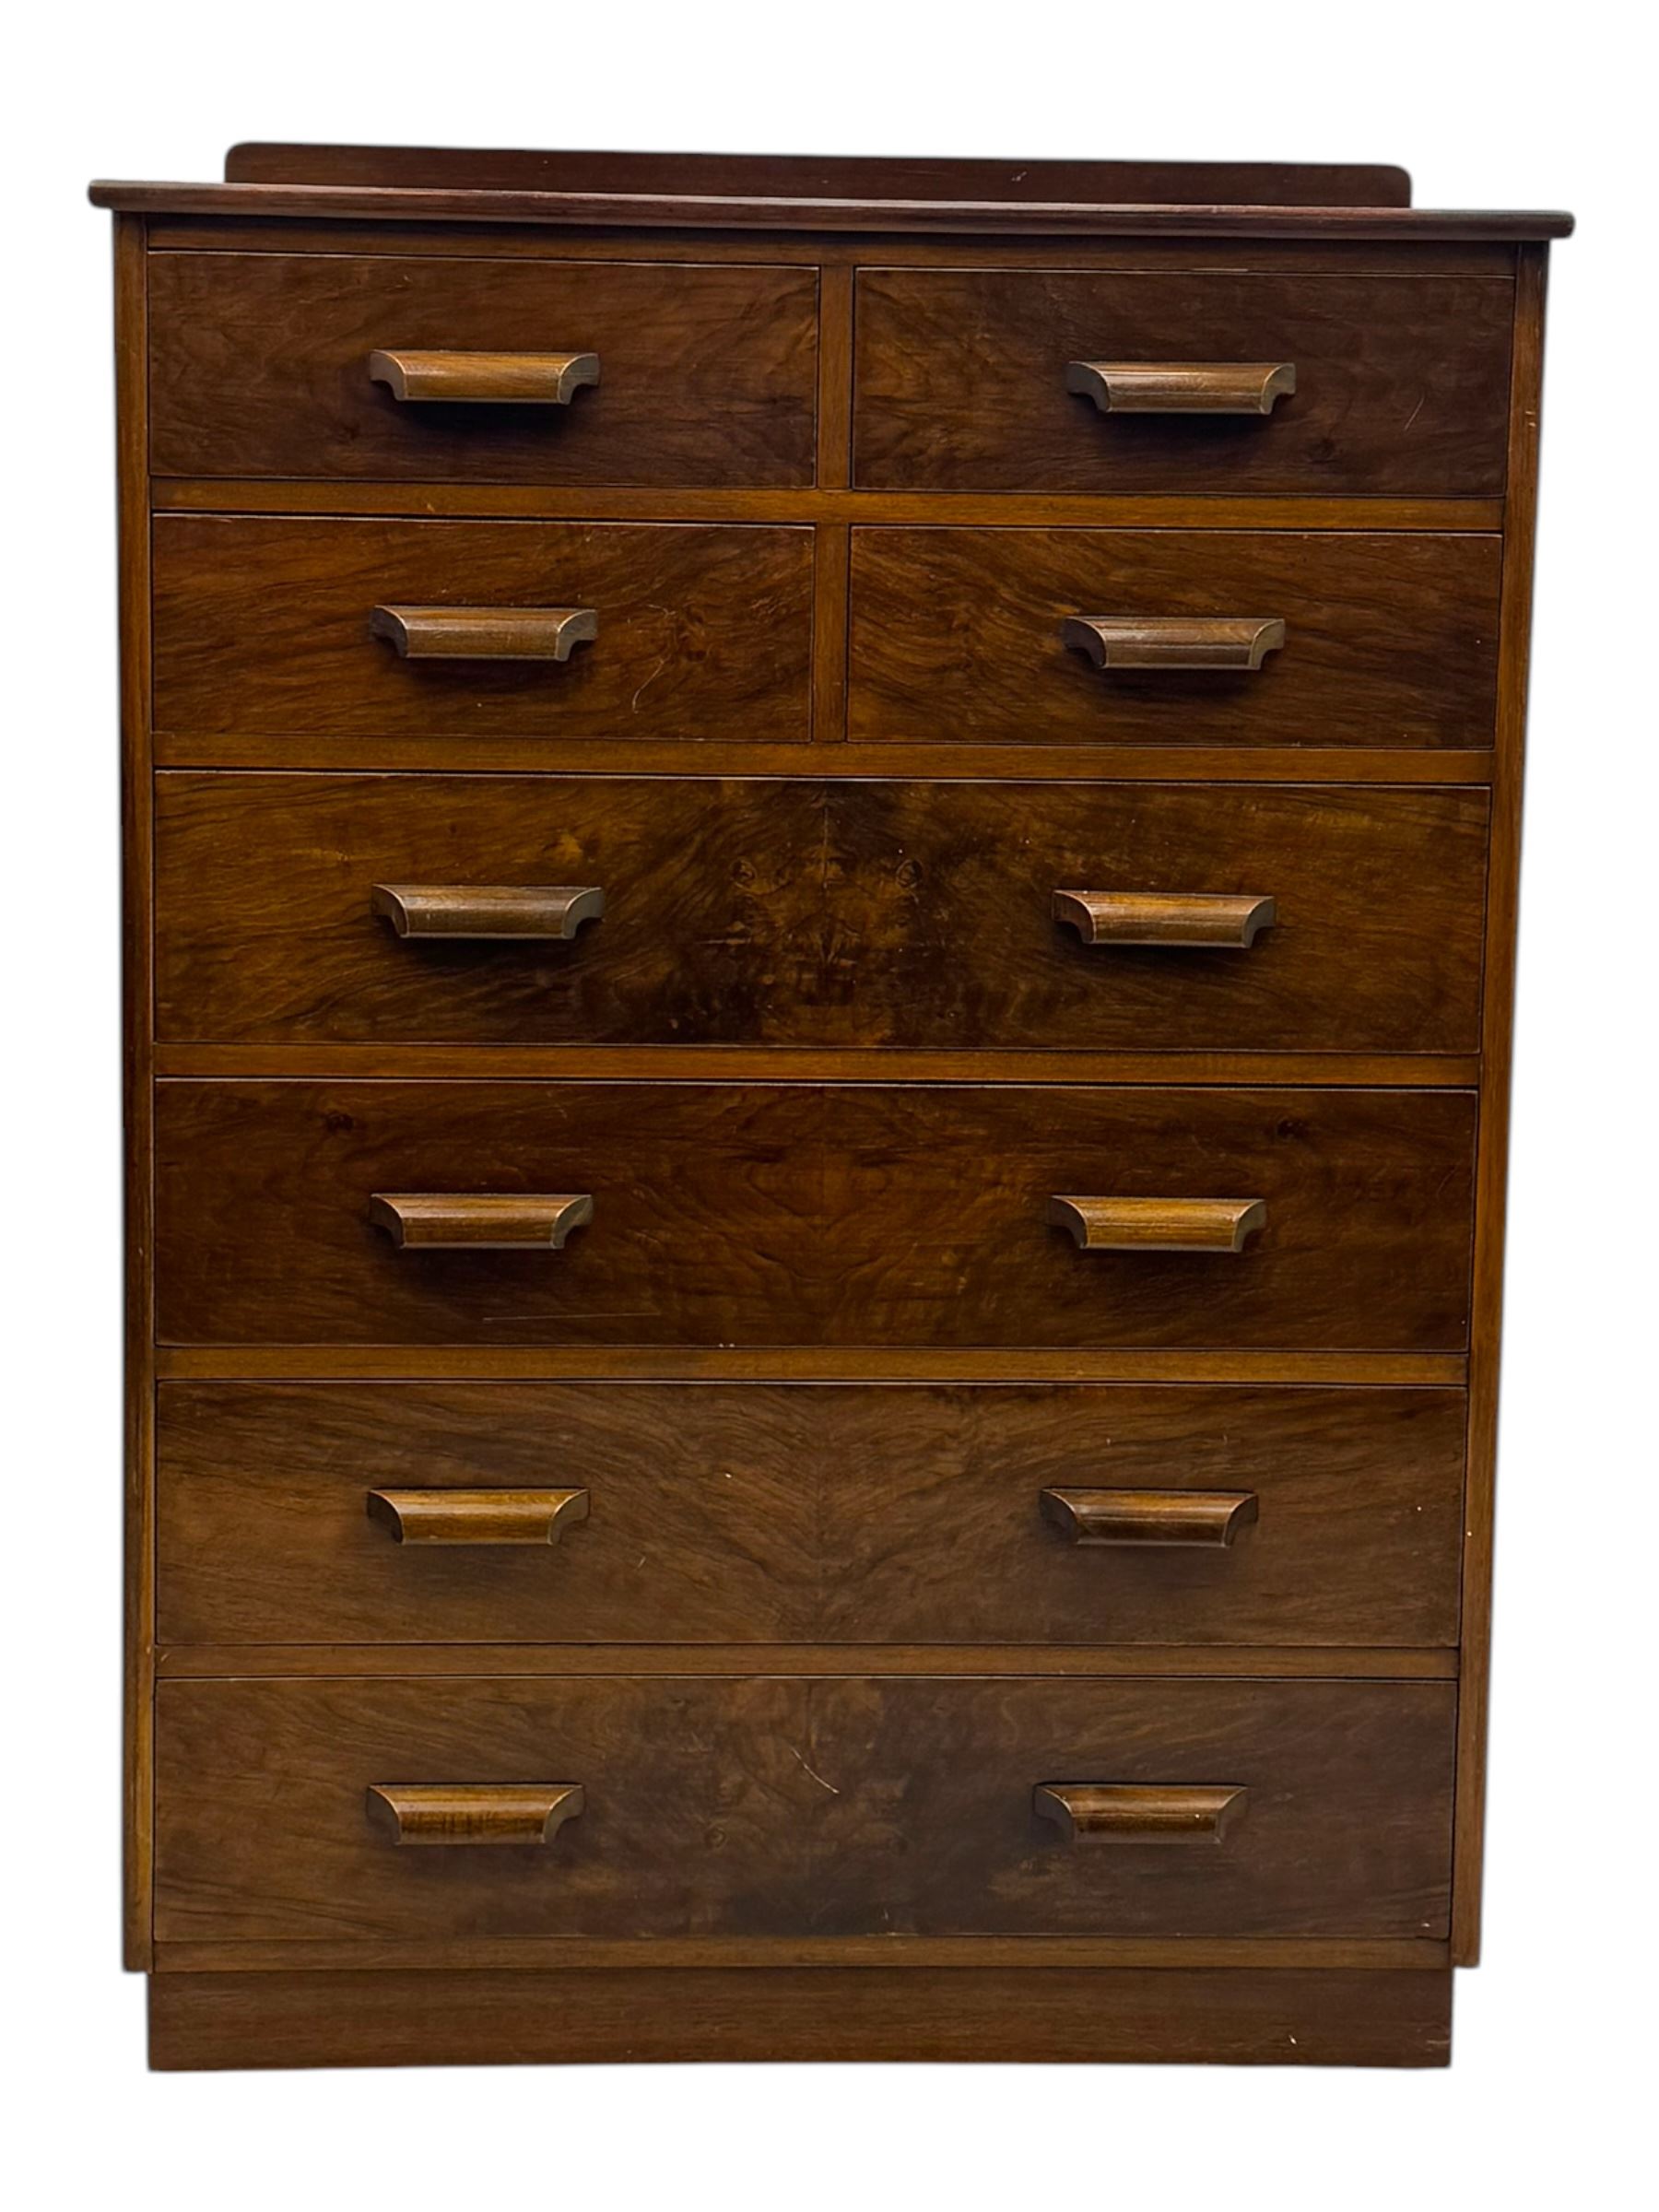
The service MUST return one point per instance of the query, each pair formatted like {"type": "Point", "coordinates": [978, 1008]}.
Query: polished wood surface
{"type": "Point", "coordinates": [830, 1807]}
{"type": "Point", "coordinates": [263, 627]}
{"type": "Point", "coordinates": [260, 366]}
{"type": "Point", "coordinates": [483, 633]}
{"type": "Point", "coordinates": [1160, 1224]}
{"type": "Point", "coordinates": [1117, 1812]}
{"type": "Point", "coordinates": [1389, 639]}
{"type": "Point", "coordinates": [844, 176]}
{"type": "Point", "coordinates": [435, 1515]}
{"type": "Point", "coordinates": [897, 915]}
{"type": "Point", "coordinates": [935, 746]}
{"type": "Point", "coordinates": [479, 1220]}
{"type": "Point", "coordinates": [1182, 387]}
{"type": "Point", "coordinates": [788, 1214]}
{"type": "Point", "coordinates": [720, 1513]}
{"type": "Point", "coordinates": [547, 380]}
{"type": "Point", "coordinates": [467, 1815]}
{"type": "Point", "coordinates": [1231, 2015]}
{"type": "Point", "coordinates": [1401, 386]}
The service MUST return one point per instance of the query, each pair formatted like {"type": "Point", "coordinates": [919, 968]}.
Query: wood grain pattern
{"type": "Point", "coordinates": [850, 1806]}
{"type": "Point", "coordinates": [1181, 919]}
{"type": "Point", "coordinates": [768, 1513]}
{"type": "Point", "coordinates": [1348, 603]}
{"type": "Point", "coordinates": [478, 379]}
{"type": "Point", "coordinates": [1116, 1812]}
{"type": "Point", "coordinates": [1234, 2017]}
{"type": "Point", "coordinates": [1182, 643]}
{"type": "Point", "coordinates": [1401, 385]}
{"type": "Point", "coordinates": [259, 366]}
{"type": "Point", "coordinates": [479, 1220]}
{"type": "Point", "coordinates": [498, 1814]}
{"type": "Point", "coordinates": [443, 1514]}
{"type": "Point", "coordinates": [789, 1213]}
{"type": "Point", "coordinates": [893, 914]}
{"type": "Point", "coordinates": [1182, 387]}
{"type": "Point", "coordinates": [483, 633]}
{"type": "Point", "coordinates": [1160, 1224]}
{"type": "Point", "coordinates": [499, 912]}
{"type": "Point", "coordinates": [263, 627]}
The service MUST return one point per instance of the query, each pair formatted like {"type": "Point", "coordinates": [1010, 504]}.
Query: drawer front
{"type": "Point", "coordinates": [1402, 383]}
{"type": "Point", "coordinates": [260, 367]}
{"type": "Point", "coordinates": [266, 626]}
{"type": "Point", "coordinates": [818, 914]}
{"type": "Point", "coordinates": [1389, 640]}
{"type": "Point", "coordinates": [777, 1806]}
{"type": "Point", "coordinates": [784, 1214]}
{"type": "Point", "coordinates": [725, 1514]}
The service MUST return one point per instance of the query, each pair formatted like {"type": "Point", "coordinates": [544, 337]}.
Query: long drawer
{"type": "Point", "coordinates": [715, 1807]}
{"type": "Point", "coordinates": [710, 1514]}
{"type": "Point", "coordinates": [818, 913]}
{"type": "Point", "coordinates": [268, 625]}
{"type": "Point", "coordinates": [1384, 639]}
{"type": "Point", "coordinates": [1400, 384]}
{"type": "Point", "coordinates": [262, 365]}
{"type": "Point", "coordinates": [782, 1213]}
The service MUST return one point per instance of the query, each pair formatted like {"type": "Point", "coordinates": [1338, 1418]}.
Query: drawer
{"type": "Point", "coordinates": [778, 1514]}
{"type": "Point", "coordinates": [1401, 383]}
{"type": "Point", "coordinates": [260, 366]}
{"type": "Point", "coordinates": [795, 913]}
{"type": "Point", "coordinates": [267, 625]}
{"type": "Point", "coordinates": [776, 1807]}
{"type": "Point", "coordinates": [1388, 639]}
{"type": "Point", "coordinates": [782, 1213]}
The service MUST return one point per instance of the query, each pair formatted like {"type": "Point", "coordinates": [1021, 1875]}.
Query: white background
{"type": "Point", "coordinates": [1487, 107]}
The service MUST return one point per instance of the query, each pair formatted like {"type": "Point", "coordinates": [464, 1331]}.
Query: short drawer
{"type": "Point", "coordinates": [348, 1809]}
{"type": "Point", "coordinates": [795, 913]}
{"type": "Point", "coordinates": [1207, 637]}
{"type": "Point", "coordinates": [964, 377]}
{"type": "Point", "coordinates": [348, 630]}
{"type": "Point", "coordinates": [788, 1213]}
{"type": "Point", "coordinates": [807, 1514]}
{"type": "Point", "coordinates": [263, 365]}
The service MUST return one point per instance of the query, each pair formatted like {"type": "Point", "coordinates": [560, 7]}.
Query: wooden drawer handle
{"type": "Point", "coordinates": [1125, 1812]}
{"type": "Point", "coordinates": [485, 633]}
{"type": "Point", "coordinates": [476, 1516]}
{"type": "Point", "coordinates": [1173, 918]}
{"type": "Point", "coordinates": [1182, 387]}
{"type": "Point", "coordinates": [490, 1812]}
{"type": "Point", "coordinates": [493, 910]}
{"type": "Point", "coordinates": [519, 380]}
{"type": "Point", "coordinates": [1209, 1519]}
{"type": "Point", "coordinates": [1174, 641]}
{"type": "Point", "coordinates": [478, 1221]}
{"type": "Point", "coordinates": [1160, 1224]}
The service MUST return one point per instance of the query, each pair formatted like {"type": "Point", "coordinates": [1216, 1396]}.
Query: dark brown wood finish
{"type": "Point", "coordinates": [781, 1806]}
{"type": "Point", "coordinates": [782, 1215]}
{"type": "Point", "coordinates": [263, 627]}
{"type": "Point", "coordinates": [892, 915]}
{"type": "Point", "coordinates": [1235, 2016]}
{"type": "Point", "coordinates": [772, 1514]}
{"type": "Point", "coordinates": [956, 635]}
{"type": "Point", "coordinates": [259, 366]}
{"type": "Point", "coordinates": [962, 381]}
{"type": "Point", "coordinates": [863, 1540]}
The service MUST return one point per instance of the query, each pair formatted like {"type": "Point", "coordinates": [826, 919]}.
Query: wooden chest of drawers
{"type": "Point", "coordinates": [822, 864]}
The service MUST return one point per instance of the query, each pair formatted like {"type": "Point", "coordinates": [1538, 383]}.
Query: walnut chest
{"type": "Point", "coordinates": [821, 885]}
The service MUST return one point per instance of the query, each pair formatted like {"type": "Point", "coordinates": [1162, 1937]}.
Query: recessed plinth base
{"type": "Point", "coordinates": [1179, 2014]}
